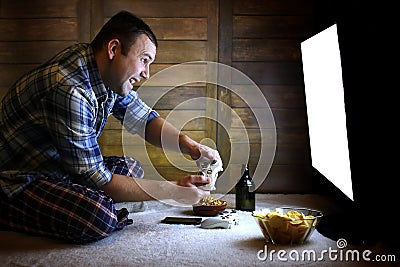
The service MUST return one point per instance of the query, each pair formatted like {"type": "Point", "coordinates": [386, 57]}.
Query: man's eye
{"type": "Point", "coordinates": [144, 60]}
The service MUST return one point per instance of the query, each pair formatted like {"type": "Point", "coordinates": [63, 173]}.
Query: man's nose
{"type": "Point", "coordinates": [146, 72]}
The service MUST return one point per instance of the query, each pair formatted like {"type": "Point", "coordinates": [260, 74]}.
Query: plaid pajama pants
{"type": "Point", "coordinates": [66, 210]}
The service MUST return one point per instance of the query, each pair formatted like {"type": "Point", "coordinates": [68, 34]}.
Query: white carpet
{"type": "Point", "coordinates": [150, 243]}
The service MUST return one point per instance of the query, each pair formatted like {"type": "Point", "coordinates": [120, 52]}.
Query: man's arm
{"type": "Point", "coordinates": [123, 188]}
{"type": "Point", "coordinates": [161, 133]}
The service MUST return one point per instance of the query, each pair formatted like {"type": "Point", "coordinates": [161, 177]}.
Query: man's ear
{"type": "Point", "coordinates": [112, 48]}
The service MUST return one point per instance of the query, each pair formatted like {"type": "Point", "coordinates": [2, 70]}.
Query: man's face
{"type": "Point", "coordinates": [133, 67]}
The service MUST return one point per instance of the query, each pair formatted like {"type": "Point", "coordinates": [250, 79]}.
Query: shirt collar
{"type": "Point", "coordinates": [100, 90]}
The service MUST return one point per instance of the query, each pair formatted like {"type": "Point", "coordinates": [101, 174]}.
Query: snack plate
{"type": "Point", "coordinates": [211, 210]}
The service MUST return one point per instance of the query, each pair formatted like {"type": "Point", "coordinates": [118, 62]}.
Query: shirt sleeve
{"type": "Point", "coordinates": [133, 113]}
{"type": "Point", "coordinates": [153, 114]}
{"type": "Point", "coordinates": [72, 114]}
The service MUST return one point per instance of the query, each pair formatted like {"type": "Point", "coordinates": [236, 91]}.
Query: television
{"type": "Point", "coordinates": [347, 63]}
{"type": "Point", "coordinates": [326, 114]}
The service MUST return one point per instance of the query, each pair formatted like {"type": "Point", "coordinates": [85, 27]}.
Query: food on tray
{"type": "Point", "coordinates": [211, 201]}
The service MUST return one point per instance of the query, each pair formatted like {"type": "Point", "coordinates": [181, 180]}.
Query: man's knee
{"type": "Point", "coordinates": [99, 222]}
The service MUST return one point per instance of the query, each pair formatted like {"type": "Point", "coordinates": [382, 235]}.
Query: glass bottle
{"type": "Point", "coordinates": [244, 190]}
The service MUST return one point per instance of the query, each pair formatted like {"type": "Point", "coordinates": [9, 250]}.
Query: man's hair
{"type": "Point", "coordinates": [125, 27]}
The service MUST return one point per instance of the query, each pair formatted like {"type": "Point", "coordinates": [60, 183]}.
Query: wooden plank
{"type": "Point", "coordinates": [292, 154]}
{"type": "Point", "coordinates": [158, 8]}
{"type": "Point", "coordinates": [113, 123]}
{"type": "Point", "coordinates": [266, 50]}
{"type": "Point", "coordinates": [30, 52]}
{"type": "Point", "coordinates": [11, 72]}
{"type": "Point", "coordinates": [97, 16]}
{"type": "Point", "coordinates": [225, 33]}
{"type": "Point", "coordinates": [179, 28]}
{"type": "Point", "coordinates": [247, 119]}
{"type": "Point", "coordinates": [224, 57]}
{"type": "Point", "coordinates": [172, 75]}
{"type": "Point", "coordinates": [283, 27]}
{"type": "Point", "coordinates": [185, 119]}
{"type": "Point", "coordinates": [212, 30]}
{"type": "Point", "coordinates": [189, 119]}
{"type": "Point", "coordinates": [84, 20]}
{"type": "Point", "coordinates": [289, 136]}
{"type": "Point", "coordinates": [284, 96]}
{"type": "Point", "coordinates": [277, 96]}
{"type": "Point", "coordinates": [169, 173]}
{"type": "Point", "coordinates": [288, 179]}
{"type": "Point", "coordinates": [38, 9]}
{"type": "Point", "coordinates": [115, 137]}
{"type": "Point", "coordinates": [157, 67]}
{"type": "Point", "coordinates": [112, 150]}
{"type": "Point", "coordinates": [181, 51]}
{"type": "Point", "coordinates": [39, 29]}
{"type": "Point", "coordinates": [284, 153]}
{"type": "Point", "coordinates": [181, 97]}
{"type": "Point", "coordinates": [156, 156]}
{"type": "Point", "coordinates": [290, 118]}
{"type": "Point", "coordinates": [285, 136]}
{"type": "Point", "coordinates": [274, 7]}
{"type": "Point", "coordinates": [284, 118]}
{"type": "Point", "coordinates": [270, 73]}
{"type": "Point", "coordinates": [212, 55]}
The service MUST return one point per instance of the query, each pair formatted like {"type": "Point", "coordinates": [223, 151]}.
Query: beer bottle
{"type": "Point", "coordinates": [244, 190]}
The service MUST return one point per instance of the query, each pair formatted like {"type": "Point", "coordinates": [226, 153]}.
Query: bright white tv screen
{"type": "Point", "coordinates": [326, 109]}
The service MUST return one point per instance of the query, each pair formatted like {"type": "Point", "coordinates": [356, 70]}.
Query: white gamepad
{"type": "Point", "coordinates": [224, 220]}
{"type": "Point", "coordinates": [209, 169]}
{"type": "Point", "coordinates": [215, 222]}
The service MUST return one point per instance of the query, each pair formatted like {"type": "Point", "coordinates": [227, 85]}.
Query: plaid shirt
{"type": "Point", "coordinates": [51, 119]}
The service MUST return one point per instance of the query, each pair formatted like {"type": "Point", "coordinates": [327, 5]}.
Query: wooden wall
{"type": "Point", "coordinates": [30, 34]}
{"type": "Point", "coordinates": [261, 38]}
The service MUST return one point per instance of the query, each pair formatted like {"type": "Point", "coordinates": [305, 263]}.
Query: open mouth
{"type": "Point", "coordinates": [132, 81]}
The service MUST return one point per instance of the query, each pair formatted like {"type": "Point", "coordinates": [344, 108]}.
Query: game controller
{"type": "Point", "coordinates": [212, 223]}
{"type": "Point", "coordinates": [209, 169]}
{"type": "Point", "coordinates": [224, 220]}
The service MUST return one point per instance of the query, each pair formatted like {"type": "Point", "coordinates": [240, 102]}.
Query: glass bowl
{"type": "Point", "coordinates": [287, 225]}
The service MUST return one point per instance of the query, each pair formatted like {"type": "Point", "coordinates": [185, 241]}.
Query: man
{"type": "Point", "coordinates": [54, 180]}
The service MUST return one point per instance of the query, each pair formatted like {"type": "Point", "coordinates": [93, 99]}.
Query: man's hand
{"type": "Point", "coordinates": [123, 188]}
{"type": "Point", "coordinates": [204, 151]}
{"type": "Point", "coordinates": [187, 191]}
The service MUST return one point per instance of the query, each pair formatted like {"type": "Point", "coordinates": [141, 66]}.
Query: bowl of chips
{"type": "Point", "coordinates": [287, 225]}
{"type": "Point", "coordinates": [209, 206]}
